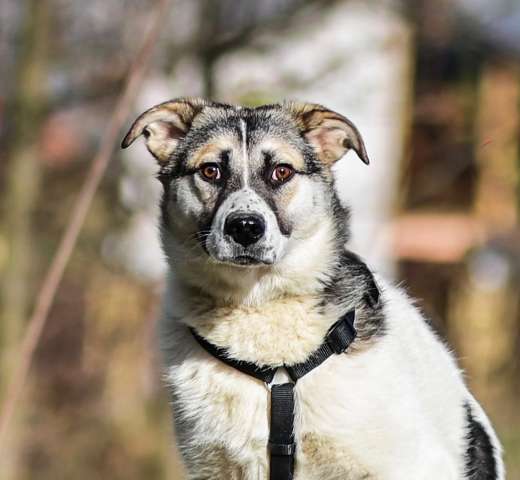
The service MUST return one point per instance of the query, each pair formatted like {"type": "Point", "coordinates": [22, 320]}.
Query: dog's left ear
{"type": "Point", "coordinates": [330, 133]}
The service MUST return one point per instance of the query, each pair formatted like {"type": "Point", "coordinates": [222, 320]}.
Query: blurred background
{"type": "Point", "coordinates": [434, 87]}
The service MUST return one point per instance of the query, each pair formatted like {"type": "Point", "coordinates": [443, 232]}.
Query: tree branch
{"type": "Point", "coordinates": [68, 241]}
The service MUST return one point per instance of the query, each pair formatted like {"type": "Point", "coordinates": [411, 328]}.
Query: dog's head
{"type": "Point", "coordinates": [242, 186]}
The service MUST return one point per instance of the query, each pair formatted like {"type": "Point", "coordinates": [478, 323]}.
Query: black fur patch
{"type": "Point", "coordinates": [165, 198]}
{"type": "Point", "coordinates": [352, 285]}
{"type": "Point", "coordinates": [480, 458]}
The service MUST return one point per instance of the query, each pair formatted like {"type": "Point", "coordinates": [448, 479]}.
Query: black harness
{"type": "Point", "coordinates": [281, 438]}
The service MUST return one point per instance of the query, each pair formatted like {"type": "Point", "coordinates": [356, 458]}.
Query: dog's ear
{"type": "Point", "coordinates": [330, 133]}
{"type": "Point", "coordinates": [164, 125]}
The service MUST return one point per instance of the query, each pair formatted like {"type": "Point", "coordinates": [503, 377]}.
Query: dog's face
{"type": "Point", "coordinates": [242, 184]}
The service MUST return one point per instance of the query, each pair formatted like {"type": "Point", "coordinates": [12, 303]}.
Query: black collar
{"type": "Point", "coordinates": [337, 340]}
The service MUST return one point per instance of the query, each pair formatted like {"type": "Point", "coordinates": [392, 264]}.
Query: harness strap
{"type": "Point", "coordinates": [281, 437]}
{"type": "Point", "coordinates": [337, 340]}
{"type": "Point", "coordinates": [265, 374]}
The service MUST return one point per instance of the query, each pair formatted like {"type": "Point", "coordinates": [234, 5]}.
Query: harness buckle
{"type": "Point", "coordinates": [282, 449]}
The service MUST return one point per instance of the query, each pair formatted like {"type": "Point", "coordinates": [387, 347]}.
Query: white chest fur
{"type": "Point", "coordinates": [392, 411]}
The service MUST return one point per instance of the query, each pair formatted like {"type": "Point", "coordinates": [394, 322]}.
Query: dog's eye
{"type": "Point", "coordinates": [210, 172]}
{"type": "Point", "coordinates": [281, 174]}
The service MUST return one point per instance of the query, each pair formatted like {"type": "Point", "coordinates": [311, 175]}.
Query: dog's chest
{"type": "Point", "coordinates": [217, 406]}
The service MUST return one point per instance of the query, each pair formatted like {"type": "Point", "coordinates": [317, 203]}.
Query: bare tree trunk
{"type": "Point", "coordinates": [485, 315]}
{"type": "Point", "coordinates": [497, 151]}
{"type": "Point", "coordinates": [208, 53]}
{"type": "Point", "coordinates": [22, 182]}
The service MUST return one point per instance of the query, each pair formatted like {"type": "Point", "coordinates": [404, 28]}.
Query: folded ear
{"type": "Point", "coordinates": [164, 125]}
{"type": "Point", "coordinates": [330, 133]}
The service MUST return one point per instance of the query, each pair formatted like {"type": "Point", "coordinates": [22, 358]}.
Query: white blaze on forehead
{"type": "Point", "coordinates": [245, 159]}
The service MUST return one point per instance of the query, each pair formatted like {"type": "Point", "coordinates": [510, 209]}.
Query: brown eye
{"type": "Point", "coordinates": [282, 173]}
{"type": "Point", "coordinates": [211, 172]}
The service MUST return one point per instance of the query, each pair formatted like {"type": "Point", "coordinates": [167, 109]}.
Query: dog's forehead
{"type": "Point", "coordinates": [241, 136]}
{"type": "Point", "coordinates": [254, 123]}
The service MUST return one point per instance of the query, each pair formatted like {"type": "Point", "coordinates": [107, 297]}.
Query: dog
{"type": "Point", "coordinates": [255, 237]}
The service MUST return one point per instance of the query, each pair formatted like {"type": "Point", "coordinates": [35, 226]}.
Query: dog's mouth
{"type": "Point", "coordinates": [244, 261]}
{"type": "Point", "coordinates": [221, 250]}
{"type": "Point", "coordinates": [250, 260]}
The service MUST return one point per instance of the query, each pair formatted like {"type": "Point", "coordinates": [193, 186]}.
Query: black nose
{"type": "Point", "coordinates": [245, 229]}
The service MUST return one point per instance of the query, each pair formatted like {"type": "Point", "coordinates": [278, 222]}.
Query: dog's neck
{"type": "Point", "coordinates": [268, 315]}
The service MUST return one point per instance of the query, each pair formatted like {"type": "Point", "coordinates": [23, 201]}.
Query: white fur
{"type": "Point", "coordinates": [245, 159]}
{"type": "Point", "coordinates": [392, 411]}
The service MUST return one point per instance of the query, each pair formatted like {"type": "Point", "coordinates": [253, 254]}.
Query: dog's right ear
{"type": "Point", "coordinates": [164, 125]}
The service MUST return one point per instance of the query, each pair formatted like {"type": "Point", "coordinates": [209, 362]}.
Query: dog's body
{"type": "Point", "coordinates": [256, 236]}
